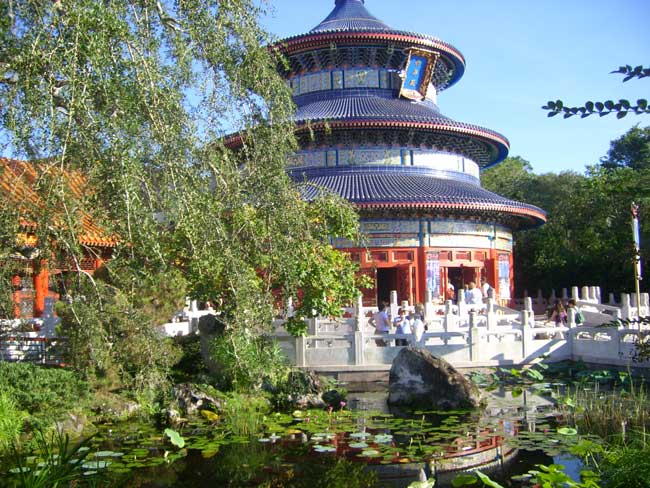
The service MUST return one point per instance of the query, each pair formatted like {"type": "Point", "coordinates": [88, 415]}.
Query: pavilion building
{"type": "Point", "coordinates": [370, 130]}
{"type": "Point", "coordinates": [37, 280]}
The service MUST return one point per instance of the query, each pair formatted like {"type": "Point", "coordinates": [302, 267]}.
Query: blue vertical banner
{"type": "Point", "coordinates": [504, 276]}
{"type": "Point", "coordinates": [433, 273]}
{"type": "Point", "coordinates": [417, 73]}
{"type": "Point", "coordinates": [637, 240]}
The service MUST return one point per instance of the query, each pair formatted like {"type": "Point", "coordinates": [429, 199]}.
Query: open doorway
{"type": "Point", "coordinates": [386, 281]}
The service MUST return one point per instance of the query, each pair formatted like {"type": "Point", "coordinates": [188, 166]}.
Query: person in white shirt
{"type": "Point", "coordinates": [381, 323]}
{"type": "Point", "coordinates": [403, 326]}
{"type": "Point", "coordinates": [473, 295]}
{"type": "Point", "coordinates": [485, 288]}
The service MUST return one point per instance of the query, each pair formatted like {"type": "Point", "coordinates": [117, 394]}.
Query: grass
{"type": "Point", "coordinates": [619, 415]}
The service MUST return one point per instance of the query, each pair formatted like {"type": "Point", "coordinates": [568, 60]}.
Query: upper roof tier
{"type": "Point", "coordinates": [373, 43]}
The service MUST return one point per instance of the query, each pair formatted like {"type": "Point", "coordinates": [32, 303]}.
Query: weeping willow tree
{"type": "Point", "coordinates": [137, 96]}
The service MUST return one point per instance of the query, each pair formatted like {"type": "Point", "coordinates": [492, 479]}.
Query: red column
{"type": "Point", "coordinates": [41, 286]}
{"type": "Point", "coordinates": [15, 283]}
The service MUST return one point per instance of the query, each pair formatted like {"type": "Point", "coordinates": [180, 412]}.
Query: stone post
{"type": "Point", "coordinates": [359, 319]}
{"type": "Point", "coordinates": [525, 333]}
{"type": "Point", "coordinates": [462, 306]}
{"type": "Point", "coordinates": [626, 309]}
{"type": "Point", "coordinates": [612, 300]}
{"type": "Point", "coordinates": [575, 293]}
{"type": "Point", "coordinates": [571, 318]}
{"type": "Point", "coordinates": [359, 347]}
{"type": "Point", "coordinates": [598, 294]}
{"type": "Point", "coordinates": [473, 337]}
{"type": "Point", "coordinates": [491, 318]}
{"type": "Point", "coordinates": [449, 322]}
{"type": "Point", "coordinates": [565, 295]}
{"type": "Point", "coordinates": [645, 304]}
{"type": "Point", "coordinates": [571, 324]}
{"type": "Point", "coordinates": [428, 308]}
{"type": "Point", "coordinates": [585, 293]}
{"type": "Point", "coordinates": [394, 307]}
{"type": "Point", "coordinates": [312, 326]}
{"type": "Point", "coordinates": [553, 296]}
{"type": "Point", "coordinates": [301, 351]}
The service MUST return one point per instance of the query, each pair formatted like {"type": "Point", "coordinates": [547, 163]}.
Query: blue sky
{"type": "Point", "coordinates": [519, 55]}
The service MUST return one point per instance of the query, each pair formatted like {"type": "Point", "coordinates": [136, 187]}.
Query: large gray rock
{"type": "Point", "coordinates": [420, 380]}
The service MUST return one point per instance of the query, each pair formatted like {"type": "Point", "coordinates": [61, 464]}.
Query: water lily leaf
{"type": "Point", "coordinates": [175, 438]}
{"type": "Point", "coordinates": [360, 435]}
{"type": "Point", "coordinates": [95, 464]}
{"type": "Point", "coordinates": [357, 445]}
{"type": "Point", "coordinates": [383, 438]}
{"type": "Point", "coordinates": [567, 431]}
{"type": "Point", "coordinates": [423, 484]}
{"type": "Point", "coordinates": [109, 454]}
{"type": "Point", "coordinates": [321, 448]}
{"type": "Point", "coordinates": [464, 479]}
{"type": "Point", "coordinates": [487, 481]}
{"type": "Point", "coordinates": [369, 453]}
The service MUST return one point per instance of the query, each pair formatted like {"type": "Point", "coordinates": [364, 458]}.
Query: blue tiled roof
{"type": "Point", "coordinates": [364, 103]}
{"type": "Point", "coordinates": [382, 105]}
{"type": "Point", "coordinates": [350, 15]}
{"type": "Point", "coordinates": [370, 186]}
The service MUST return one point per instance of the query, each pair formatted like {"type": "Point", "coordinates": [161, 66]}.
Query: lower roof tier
{"type": "Point", "coordinates": [384, 188]}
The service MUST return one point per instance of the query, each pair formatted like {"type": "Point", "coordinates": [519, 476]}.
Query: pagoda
{"type": "Point", "coordinates": [369, 129]}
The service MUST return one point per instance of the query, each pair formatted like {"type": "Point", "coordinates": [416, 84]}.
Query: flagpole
{"type": "Point", "coordinates": [637, 259]}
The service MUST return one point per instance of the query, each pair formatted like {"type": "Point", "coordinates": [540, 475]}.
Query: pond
{"type": "Point", "coordinates": [364, 443]}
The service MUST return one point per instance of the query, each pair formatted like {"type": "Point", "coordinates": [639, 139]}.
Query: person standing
{"type": "Point", "coordinates": [473, 295]}
{"type": "Point", "coordinates": [579, 316]}
{"type": "Point", "coordinates": [403, 326]}
{"type": "Point", "coordinates": [381, 323]}
{"type": "Point", "coordinates": [485, 289]}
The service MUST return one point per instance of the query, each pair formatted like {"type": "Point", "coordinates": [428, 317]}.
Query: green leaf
{"type": "Point", "coordinates": [487, 481]}
{"type": "Point", "coordinates": [464, 479]}
{"type": "Point", "coordinates": [175, 438]}
{"type": "Point", "coordinates": [567, 431]}
{"type": "Point", "coordinates": [621, 114]}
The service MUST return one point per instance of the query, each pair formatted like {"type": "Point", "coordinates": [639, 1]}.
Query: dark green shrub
{"type": "Point", "coordinates": [42, 391]}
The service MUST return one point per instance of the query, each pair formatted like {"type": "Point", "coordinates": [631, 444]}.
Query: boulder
{"type": "Point", "coordinates": [420, 380]}
{"type": "Point", "coordinates": [191, 398]}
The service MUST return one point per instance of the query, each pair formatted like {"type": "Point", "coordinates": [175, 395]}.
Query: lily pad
{"type": "Point", "coordinates": [357, 445]}
{"type": "Point", "coordinates": [567, 431]}
{"type": "Point", "coordinates": [369, 453]}
{"type": "Point", "coordinates": [321, 448]}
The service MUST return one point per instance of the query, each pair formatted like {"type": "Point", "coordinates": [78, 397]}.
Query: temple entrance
{"type": "Point", "coordinates": [462, 275]}
{"type": "Point", "coordinates": [386, 282]}
{"type": "Point", "coordinates": [397, 278]}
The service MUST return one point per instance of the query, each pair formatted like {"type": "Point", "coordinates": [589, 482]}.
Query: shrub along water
{"type": "Point", "coordinates": [44, 393]}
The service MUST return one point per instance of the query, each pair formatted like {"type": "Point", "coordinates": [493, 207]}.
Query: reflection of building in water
{"type": "Point", "coordinates": [370, 130]}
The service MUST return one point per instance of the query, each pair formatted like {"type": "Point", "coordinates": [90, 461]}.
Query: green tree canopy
{"type": "Point", "coordinates": [631, 150]}
{"type": "Point", "coordinates": [138, 95]}
{"type": "Point", "coordinates": [587, 238]}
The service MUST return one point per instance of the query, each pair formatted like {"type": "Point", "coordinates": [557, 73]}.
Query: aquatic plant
{"type": "Point", "coordinates": [60, 464]}
{"type": "Point", "coordinates": [244, 415]}
{"type": "Point", "coordinates": [618, 415]}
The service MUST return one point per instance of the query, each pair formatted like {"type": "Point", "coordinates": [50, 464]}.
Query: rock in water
{"type": "Point", "coordinates": [419, 379]}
